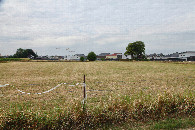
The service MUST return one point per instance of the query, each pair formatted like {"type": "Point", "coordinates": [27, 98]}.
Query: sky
{"type": "Point", "coordinates": [165, 26]}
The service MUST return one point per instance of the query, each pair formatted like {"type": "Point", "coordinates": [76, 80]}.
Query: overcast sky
{"type": "Point", "coordinates": [96, 25]}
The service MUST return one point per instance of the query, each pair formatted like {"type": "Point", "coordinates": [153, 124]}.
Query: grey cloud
{"type": "Point", "coordinates": [170, 42]}
{"type": "Point", "coordinates": [104, 25]}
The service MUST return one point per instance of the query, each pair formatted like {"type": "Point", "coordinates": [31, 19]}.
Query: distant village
{"type": "Point", "coordinates": [182, 56]}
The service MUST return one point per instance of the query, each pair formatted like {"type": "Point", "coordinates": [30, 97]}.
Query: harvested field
{"type": "Point", "coordinates": [116, 91]}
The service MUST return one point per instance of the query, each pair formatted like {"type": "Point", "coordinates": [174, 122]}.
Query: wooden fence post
{"type": "Point", "coordinates": [84, 91]}
{"type": "Point", "coordinates": [84, 95]}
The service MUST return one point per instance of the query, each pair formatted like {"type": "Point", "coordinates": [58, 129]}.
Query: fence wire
{"type": "Point", "coordinates": [23, 92]}
{"type": "Point", "coordinates": [71, 85]}
{"type": "Point", "coordinates": [4, 85]}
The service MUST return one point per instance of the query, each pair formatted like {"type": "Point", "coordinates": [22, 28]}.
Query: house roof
{"type": "Point", "coordinates": [173, 55]}
{"type": "Point", "coordinates": [101, 56]}
{"type": "Point", "coordinates": [104, 54]}
{"type": "Point", "coordinates": [80, 55]}
{"type": "Point", "coordinates": [187, 52]}
{"type": "Point", "coordinates": [112, 55]}
{"type": "Point", "coordinates": [115, 54]}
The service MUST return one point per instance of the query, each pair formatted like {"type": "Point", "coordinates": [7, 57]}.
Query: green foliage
{"type": "Point", "coordinates": [136, 50]}
{"type": "Point", "coordinates": [10, 59]}
{"type": "Point", "coordinates": [91, 56]}
{"type": "Point", "coordinates": [24, 53]}
{"type": "Point", "coordinates": [82, 58]}
{"type": "Point", "coordinates": [174, 124]}
{"type": "Point", "coordinates": [103, 59]}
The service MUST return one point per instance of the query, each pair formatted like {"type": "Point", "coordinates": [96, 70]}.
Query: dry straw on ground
{"type": "Point", "coordinates": [110, 86]}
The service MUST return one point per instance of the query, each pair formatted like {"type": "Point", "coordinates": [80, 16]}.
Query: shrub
{"type": "Point", "coordinates": [91, 56]}
{"type": "Point", "coordinates": [103, 59]}
{"type": "Point", "coordinates": [82, 59]}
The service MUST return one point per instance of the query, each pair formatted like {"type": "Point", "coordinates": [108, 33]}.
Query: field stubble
{"type": "Point", "coordinates": [118, 90]}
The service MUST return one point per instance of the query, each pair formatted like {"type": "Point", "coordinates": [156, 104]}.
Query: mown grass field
{"type": "Point", "coordinates": [116, 92]}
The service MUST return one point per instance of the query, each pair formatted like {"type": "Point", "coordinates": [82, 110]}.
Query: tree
{"type": "Point", "coordinates": [82, 58]}
{"type": "Point", "coordinates": [136, 50]}
{"type": "Point", "coordinates": [91, 56]}
{"type": "Point", "coordinates": [24, 53]}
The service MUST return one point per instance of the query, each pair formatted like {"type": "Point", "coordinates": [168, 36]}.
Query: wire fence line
{"type": "Point", "coordinates": [23, 92]}
{"type": "Point", "coordinates": [71, 85]}
{"type": "Point", "coordinates": [4, 85]}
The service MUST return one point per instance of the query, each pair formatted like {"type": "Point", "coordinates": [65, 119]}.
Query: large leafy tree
{"type": "Point", "coordinates": [24, 53]}
{"type": "Point", "coordinates": [136, 50]}
{"type": "Point", "coordinates": [91, 56]}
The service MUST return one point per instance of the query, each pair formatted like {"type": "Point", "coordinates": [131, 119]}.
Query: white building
{"type": "Point", "coordinates": [126, 57]}
{"type": "Point", "coordinates": [75, 57]}
{"type": "Point", "coordinates": [186, 55]}
{"type": "Point", "coordinates": [71, 57]}
{"type": "Point", "coordinates": [122, 56]}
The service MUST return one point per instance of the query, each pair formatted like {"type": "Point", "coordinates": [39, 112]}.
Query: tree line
{"type": "Point", "coordinates": [135, 49]}
{"type": "Point", "coordinates": [24, 53]}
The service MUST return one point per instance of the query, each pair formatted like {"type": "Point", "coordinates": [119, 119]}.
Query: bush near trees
{"type": "Point", "coordinates": [103, 59]}
{"type": "Point", "coordinates": [24, 53]}
{"type": "Point", "coordinates": [12, 59]}
{"type": "Point", "coordinates": [136, 50]}
{"type": "Point", "coordinates": [82, 58]}
{"type": "Point", "coordinates": [91, 56]}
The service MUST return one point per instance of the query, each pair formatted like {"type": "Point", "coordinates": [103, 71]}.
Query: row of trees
{"type": "Point", "coordinates": [24, 53]}
{"type": "Point", "coordinates": [29, 53]}
{"type": "Point", "coordinates": [135, 49]}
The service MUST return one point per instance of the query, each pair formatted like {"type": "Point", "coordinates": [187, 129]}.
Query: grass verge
{"type": "Point", "coordinates": [167, 124]}
{"type": "Point", "coordinates": [174, 124]}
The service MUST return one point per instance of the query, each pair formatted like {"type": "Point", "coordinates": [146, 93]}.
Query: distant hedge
{"type": "Point", "coordinates": [13, 59]}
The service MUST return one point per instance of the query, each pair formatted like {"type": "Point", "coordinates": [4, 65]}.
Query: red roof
{"type": "Point", "coordinates": [112, 55]}
{"type": "Point", "coordinates": [115, 54]}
